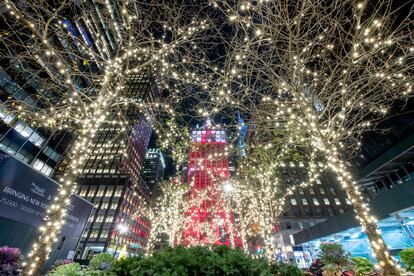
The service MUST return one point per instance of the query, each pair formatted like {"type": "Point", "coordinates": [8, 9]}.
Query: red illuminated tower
{"type": "Point", "coordinates": [207, 220]}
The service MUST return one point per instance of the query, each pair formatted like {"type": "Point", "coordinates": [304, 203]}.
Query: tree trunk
{"type": "Point", "coordinates": [366, 220]}
{"type": "Point", "coordinates": [57, 210]}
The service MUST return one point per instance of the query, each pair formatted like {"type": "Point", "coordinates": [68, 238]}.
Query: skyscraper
{"type": "Point", "coordinates": [207, 220]}
{"type": "Point", "coordinates": [111, 178]}
{"type": "Point", "coordinates": [41, 149]}
{"type": "Point", "coordinates": [153, 170]}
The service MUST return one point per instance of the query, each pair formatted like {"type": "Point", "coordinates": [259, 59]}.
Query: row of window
{"type": "Point", "coordinates": [12, 148]}
{"type": "Point", "coordinates": [25, 156]}
{"type": "Point", "coordinates": [100, 191]}
{"type": "Point", "coordinates": [296, 180]}
{"type": "Point", "coordinates": [48, 151]}
{"type": "Point", "coordinates": [94, 170]}
{"type": "Point", "coordinates": [101, 218]}
{"type": "Point", "coordinates": [316, 201]}
{"type": "Point", "coordinates": [27, 132]}
{"type": "Point", "coordinates": [102, 155]}
{"type": "Point", "coordinates": [42, 167]}
{"type": "Point", "coordinates": [317, 211]}
{"type": "Point", "coordinates": [321, 191]}
{"type": "Point", "coordinates": [95, 234]}
{"type": "Point", "coordinates": [105, 205]}
{"type": "Point", "coordinates": [33, 137]}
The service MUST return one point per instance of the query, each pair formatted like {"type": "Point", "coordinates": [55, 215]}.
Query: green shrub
{"type": "Point", "coordinates": [92, 272]}
{"type": "Point", "coordinates": [72, 269]}
{"type": "Point", "coordinates": [334, 253]}
{"type": "Point", "coordinates": [124, 266]}
{"type": "Point", "coordinates": [101, 261]}
{"type": "Point", "coordinates": [407, 256]}
{"type": "Point", "coordinates": [219, 260]}
{"type": "Point", "coordinates": [334, 258]}
{"type": "Point", "coordinates": [285, 269]}
{"type": "Point", "coordinates": [362, 266]}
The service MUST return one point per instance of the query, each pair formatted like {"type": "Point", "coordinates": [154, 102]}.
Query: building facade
{"type": "Point", "coordinates": [207, 220]}
{"type": "Point", "coordinates": [305, 208]}
{"type": "Point", "coordinates": [111, 179]}
{"type": "Point", "coordinates": [39, 148]}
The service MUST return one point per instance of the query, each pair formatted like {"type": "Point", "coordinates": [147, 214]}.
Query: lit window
{"type": "Point", "coordinates": [29, 133]}
{"type": "Point", "coordinates": [348, 201]}
{"type": "Point", "coordinates": [42, 167]}
{"type": "Point", "coordinates": [315, 202]}
{"type": "Point", "coordinates": [7, 118]}
{"type": "Point", "coordinates": [104, 205]}
{"type": "Point", "coordinates": [322, 191]}
{"type": "Point", "coordinates": [36, 139]}
{"type": "Point", "coordinates": [304, 201]}
{"type": "Point", "coordinates": [293, 201]}
{"type": "Point", "coordinates": [100, 192]}
{"type": "Point", "coordinates": [311, 191]}
{"type": "Point", "coordinates": [92, 191]}
{"type": "Point", "coordinates": [23, 129]}
{"type": "Point", "coordinates": [99, 219]}
{"type": "Point", "coordinates": [318, 181]}
{"type": "Point", "coordinates": [47, 170]}
{"type": "Point", "coordinates": [301, 191]}
{"type": "Point", "coordinates": [326, 201]}
{"type": "Point", "coordinates": [337, 202]}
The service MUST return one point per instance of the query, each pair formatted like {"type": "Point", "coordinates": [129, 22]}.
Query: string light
{"type": "Point", "coordinates": [318, 85]}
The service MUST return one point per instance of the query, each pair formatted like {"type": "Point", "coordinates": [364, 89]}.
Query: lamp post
{"type": "Point", "coordinates": [228, 187]}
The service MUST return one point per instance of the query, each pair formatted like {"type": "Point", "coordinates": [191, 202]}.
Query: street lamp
{"type": "Point", "coordinates": [227, 187]}
{"type": "Point", "coordinates": [122, 229]}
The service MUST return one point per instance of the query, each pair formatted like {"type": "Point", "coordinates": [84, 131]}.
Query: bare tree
{"type": "Point", "coordinates": [151, 37]}
{"type": "Point", "coordinates": [260, 193]}
{"type": "Point", "coordinates": [328, 71]}
{"type": "Point", "coordinates": [166, 214]}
